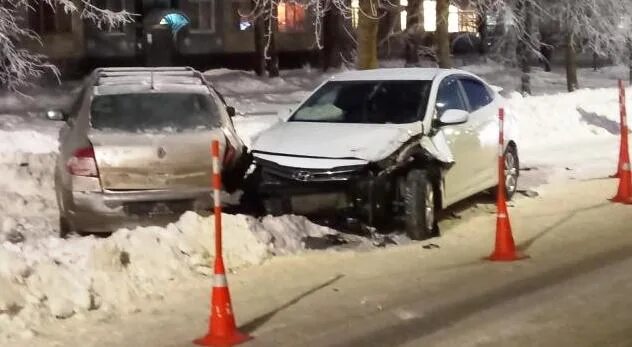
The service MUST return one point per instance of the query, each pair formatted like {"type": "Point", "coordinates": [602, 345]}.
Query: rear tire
{"type": "Point", "coordinates": [420, 215]}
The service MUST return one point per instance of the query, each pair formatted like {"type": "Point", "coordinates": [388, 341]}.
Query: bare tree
{"type": "Point", "coordinates": [18, 65]}
{"type": "Point", "coordinates": [592, 26]}
{"type": "Point", "coordinates": [586, 25]}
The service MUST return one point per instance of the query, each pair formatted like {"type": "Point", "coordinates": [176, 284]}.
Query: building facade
{"type": "Point", "coordinates": [213, 33]}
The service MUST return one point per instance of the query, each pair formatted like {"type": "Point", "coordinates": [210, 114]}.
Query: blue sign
{"type": "Point", "coordinates": [175, 21]}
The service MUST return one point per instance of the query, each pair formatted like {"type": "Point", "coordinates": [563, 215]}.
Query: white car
{"type": "Point", "coordinates": [387, 145]}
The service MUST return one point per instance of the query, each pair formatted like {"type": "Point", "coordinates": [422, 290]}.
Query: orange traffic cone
{"type": "Point", "coordinates": [505, 249]}
{"type": "Point", "coordinates": [624, 193]}
{"type": "Point", "coordinates": [222, 330]}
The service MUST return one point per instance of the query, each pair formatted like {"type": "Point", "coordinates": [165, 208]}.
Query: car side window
{"type": "Point", "coordinates": [477, 93]}
{"type": "Point", "coordinates": [449, 96]}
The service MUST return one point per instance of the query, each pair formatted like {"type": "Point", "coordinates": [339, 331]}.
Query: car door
{"type": "Point", "coordinates": [462, 142]}
{"type": "Point", "coordinates": [483, 123]}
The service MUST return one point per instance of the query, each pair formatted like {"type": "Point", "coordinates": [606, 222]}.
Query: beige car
{"type": "Point", "coordinates": [135, 149]}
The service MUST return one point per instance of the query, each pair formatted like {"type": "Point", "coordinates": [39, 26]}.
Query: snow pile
{"type": "Point", "coordinates": [51, 277]}
{"type": "Point", "coordinates": [28, 141]}
{"type": "Point", "coordinates": [27, 196]}
{"type": "Point", "coordinates": [570, 117]}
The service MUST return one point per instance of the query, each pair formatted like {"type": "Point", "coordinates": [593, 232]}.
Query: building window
{"type": "Point", "coordinates": [468, 22]}
{"type": "Point", "coordinates": [44, 19]}
{"type": "Point", "coordinates": [291, 16]}
{"type": "Point", "coordinates": [202, 15]}
{"type": "Point", "coordinates": [241, 21]}
{"type": "Point", "coordinates": [355, 12]}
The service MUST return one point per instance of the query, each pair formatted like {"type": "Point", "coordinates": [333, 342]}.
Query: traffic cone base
{"type": "Point", "coordinates": [624, 192]}
{"type": "Point", "coordinates": [222, 330]}
{"type": "Point", "coordinates": [223, 341]}
{"type": "Point", "coordinates": [505, 248]}
{"type": "Point", "coordinates": [622, 200]}
{"type": "Point", "coordinates": [511, 256]}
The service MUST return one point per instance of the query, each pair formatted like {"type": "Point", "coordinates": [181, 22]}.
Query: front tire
{"type": "Point", "coordinates": [418, 193]}
{"type": "Point", "coordinates": [512, 172]}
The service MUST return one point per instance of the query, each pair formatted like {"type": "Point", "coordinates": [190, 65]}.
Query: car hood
{"type": "Point", "coordinates": [370, 142]}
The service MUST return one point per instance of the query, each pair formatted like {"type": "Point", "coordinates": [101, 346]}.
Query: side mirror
{"type": "Point", "coordinates": [55, 115]}
{"type": "Point", "coordinates": [453, 117]}
{"type": "Point", "coordinates": [231, 111]}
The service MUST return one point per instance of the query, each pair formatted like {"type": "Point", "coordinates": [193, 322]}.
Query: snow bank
{"type": "Point", "coordinates": [569, 117]}
{"type": "Point", "coordinates": [27, 141]}
{"type": "Point", "coordinates": [49, 277]}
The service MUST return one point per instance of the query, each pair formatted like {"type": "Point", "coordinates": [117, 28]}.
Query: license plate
{"type": "Point", "coordinates": [152, 209]}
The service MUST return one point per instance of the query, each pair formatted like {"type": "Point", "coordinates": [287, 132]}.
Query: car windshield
{"type": "Point", "coordinates": [155, 112]}
{"type": "Point", "coordinates": [371, 102]}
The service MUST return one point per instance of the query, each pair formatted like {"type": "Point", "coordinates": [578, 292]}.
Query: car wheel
{"type": "Point", "coordinates": [420, 213]}
{"type": "Point", "coordinates": [512, 171]}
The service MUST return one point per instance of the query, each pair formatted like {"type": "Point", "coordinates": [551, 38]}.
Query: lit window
{"type": "Point", "coordinates": [291, 16]}
{"type": "Point", "coordinates": [44, 19]}
{"type": "Point", "coordinates": [430, 17]}
{"type": "Point", "coordinates": [202, 15]}
{"type": "Point", "coordinates": [468, 22]}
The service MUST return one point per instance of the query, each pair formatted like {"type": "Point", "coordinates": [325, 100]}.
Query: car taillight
{"type": "Point", "coordinates": [83, 163]}
{"type": "Point", "coordinates": [229, 154]}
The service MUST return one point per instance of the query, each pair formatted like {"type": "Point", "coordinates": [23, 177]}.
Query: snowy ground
{"type": "Point", "coordinates": [562, 136]}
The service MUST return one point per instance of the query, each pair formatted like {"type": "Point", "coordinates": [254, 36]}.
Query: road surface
{"type": "Point", "coordinates": [575, 290]}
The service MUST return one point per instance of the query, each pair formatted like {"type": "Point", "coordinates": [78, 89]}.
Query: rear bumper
{"type": "Point", "coordinates": [109, 211]}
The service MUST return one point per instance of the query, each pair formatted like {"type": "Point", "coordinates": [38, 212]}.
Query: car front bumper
{"type": "Point", "coordinates": [351, 191]}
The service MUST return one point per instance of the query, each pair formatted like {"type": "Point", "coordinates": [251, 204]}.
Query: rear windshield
{"type": "Point", "coordinates": [155, 112]}
{"type": "Point", "coordinates": [374, 102]}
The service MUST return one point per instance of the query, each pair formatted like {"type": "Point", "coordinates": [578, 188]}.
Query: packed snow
{"type": "Point", "coordinates": [561, 135]}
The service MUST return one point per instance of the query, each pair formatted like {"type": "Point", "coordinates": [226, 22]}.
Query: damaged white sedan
{"type": "Point", "coordinates": [386, 146]}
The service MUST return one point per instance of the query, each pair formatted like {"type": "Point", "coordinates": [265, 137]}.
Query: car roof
{"type": "Point", "coordinates": [142, 80]}
{"type": "Point", "coordinates": [385, 74]}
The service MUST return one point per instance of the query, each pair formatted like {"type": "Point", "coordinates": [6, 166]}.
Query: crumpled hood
{"type": "Point", "coordinates": [370, 142]}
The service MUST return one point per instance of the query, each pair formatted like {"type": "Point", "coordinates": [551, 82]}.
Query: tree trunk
{"type": "Point", "coordinates": [271, 25]}
{"type": "Point", "coordinates": [332, 39]}
{"type": "Point", "coordinates": [260, 43]}
{"type": "Point", "coordinates": [443, 36]}
{"type": "Point", "coordinates": [571, 62]}
{"type": "Point", "coordinates": [367, 36]}
{"type": "Point", "coordinates": [522, 49]}
{"type": "Point", "coordinates": [414, 31]}
{"type": "Point", "coordinates": [482, 33]}
{"type": "Point", "coordinates": [595, 61]}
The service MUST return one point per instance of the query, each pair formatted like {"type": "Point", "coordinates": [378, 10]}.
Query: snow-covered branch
{"type": "Point", "coordinates": [18, 65]}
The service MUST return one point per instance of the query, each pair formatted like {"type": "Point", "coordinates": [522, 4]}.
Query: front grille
{"type": "Point", "coordinates": [274, 171]}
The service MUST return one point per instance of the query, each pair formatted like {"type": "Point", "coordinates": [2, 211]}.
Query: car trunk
{"type": "Point", "coordinates": [132, 161]}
